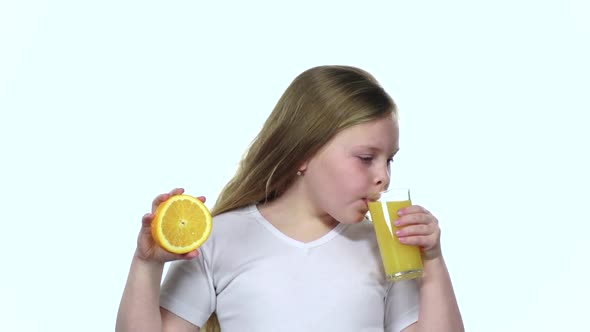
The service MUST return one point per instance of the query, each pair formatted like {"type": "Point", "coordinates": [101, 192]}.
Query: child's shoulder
{"type": "Point", "coordinates": [232, 229]}
{"type": "Point", "coordinates": [239, 213]}
{"type": "Point", "coordinates": [234, 220]}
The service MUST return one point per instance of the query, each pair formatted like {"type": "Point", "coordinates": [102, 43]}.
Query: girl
{"type": "Point", "coordinates": [291, 249]}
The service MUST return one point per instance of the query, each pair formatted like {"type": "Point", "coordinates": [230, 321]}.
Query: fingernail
{"type": "Point", "coordinates": [397, 223]}
{"type": "Point", "coordinates": [398, 233]}
{"type": "Point", "coordinates": [402, 239]}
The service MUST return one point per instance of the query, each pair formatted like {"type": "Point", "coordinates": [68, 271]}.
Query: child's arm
{"type": "Point", "coordinates": [140, 305]}
{"type": "Point", "coordinates": [140, 309]}
{"type": "Point", "coordinates": [439, 310]}
{"type": "Point", "coordinates": [438, 306]}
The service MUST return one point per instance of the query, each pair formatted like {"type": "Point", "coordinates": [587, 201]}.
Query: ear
{"type": "Point", "coordinates": [303, 167]}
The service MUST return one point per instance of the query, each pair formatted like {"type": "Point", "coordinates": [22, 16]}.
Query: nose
{"type": "Point", "coordinates": [382, 177]}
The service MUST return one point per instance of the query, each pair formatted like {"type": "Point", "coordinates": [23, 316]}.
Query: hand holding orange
{"type": "Point", "coordinates": [181, 224]}
{"type": "Point", "coordinates": [158, 240]}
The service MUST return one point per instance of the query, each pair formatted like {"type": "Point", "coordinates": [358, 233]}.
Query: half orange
{"type": "Point", "coordinates": [181, 224]}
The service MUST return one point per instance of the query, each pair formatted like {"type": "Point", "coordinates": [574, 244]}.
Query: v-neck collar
{"type": "Point", "coordinates": [291, 241]}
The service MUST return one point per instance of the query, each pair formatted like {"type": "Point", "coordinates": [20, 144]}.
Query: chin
{"type": "Point", "coordinates": [353, 218]}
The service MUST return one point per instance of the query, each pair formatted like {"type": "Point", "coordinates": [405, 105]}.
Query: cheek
{"type": "Point", "coordinates": [344, 177]}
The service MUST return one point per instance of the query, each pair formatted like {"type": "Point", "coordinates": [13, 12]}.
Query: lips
{"type": "Point", "coordinates": [365, 205]}
{"type": "Point", "coordinates": [373, 197]}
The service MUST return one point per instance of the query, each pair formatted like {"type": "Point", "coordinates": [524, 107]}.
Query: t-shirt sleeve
{"type": "Point", "coordinates": [402, 305]}
{"type": "Point", "coordinates": [188, 291]}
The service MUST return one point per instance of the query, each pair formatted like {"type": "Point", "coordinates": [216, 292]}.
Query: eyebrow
{"type": "Point", "coordinates": [372, 148]}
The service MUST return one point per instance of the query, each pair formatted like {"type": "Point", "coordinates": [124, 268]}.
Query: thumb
{"type": "Point", "coordinates": [146, 221]}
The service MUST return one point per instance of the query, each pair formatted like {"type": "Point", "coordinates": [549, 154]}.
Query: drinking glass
{"type": "Point", "coordinates": [400, 261]}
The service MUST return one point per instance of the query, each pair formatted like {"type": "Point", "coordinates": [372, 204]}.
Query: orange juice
{"type": "Point", "coordinates": [401, 261]}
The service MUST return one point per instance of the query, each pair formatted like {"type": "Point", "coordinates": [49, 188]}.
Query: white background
{"type": "Point", "coordinates": [104, 105]}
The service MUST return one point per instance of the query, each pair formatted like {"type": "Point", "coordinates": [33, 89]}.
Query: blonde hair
{"type": "Point", "coordinates": [318, 104]}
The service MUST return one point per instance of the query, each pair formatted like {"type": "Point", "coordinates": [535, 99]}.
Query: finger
{"type": "Point", "coordinates": [415, 230]}
{"type": "Point", "coordinates": [190, 255]}
{"type": "Point", "coordinates": [420, 241]}
{"type": "Point", "coordinates": [177, 191]}
{"type": "Point", "coordinates": [414, 218]}
{"type": "Point", "coordinates": [147, 219]}
{"type": "Point", "coordinates": [158, 200]}
{"type": "Point", "coordinates": [412, 209]}
{"type": "Point", "coordinates": [163, 197]}
{"type": "Point", "coordinates": [202, 198]}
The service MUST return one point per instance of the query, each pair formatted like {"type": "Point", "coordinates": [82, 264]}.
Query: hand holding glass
{"type": "Point", "coordinates": [401, 261]}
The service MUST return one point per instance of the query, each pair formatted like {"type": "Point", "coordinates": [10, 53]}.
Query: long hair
{"type": "Point", "coordinates": [317, 105]}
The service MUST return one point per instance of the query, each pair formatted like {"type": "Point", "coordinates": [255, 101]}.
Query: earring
{"type": "Point", "coordinates": [299, 173]}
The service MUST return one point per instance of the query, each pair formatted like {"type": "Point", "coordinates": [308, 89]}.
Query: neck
{"type": "Point", "coordinates": [294, 214]}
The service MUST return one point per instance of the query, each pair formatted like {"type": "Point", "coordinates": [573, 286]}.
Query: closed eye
{"type": "Point", "coordinates": [366, 159]}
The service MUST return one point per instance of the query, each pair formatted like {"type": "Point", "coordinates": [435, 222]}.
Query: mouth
{"type": "Point", "coordinates": [373, 197]}
{"type": "Point", "coordinates": [366, 204]}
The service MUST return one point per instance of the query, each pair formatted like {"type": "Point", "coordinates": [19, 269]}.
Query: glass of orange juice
{"type": "Point", "coordinates": [400, 261]}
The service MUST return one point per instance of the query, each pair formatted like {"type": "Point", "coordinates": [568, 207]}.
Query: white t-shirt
{"type": "Point", "coordinates": [257, 279]}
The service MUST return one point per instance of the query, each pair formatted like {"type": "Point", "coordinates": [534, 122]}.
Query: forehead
{"type": "Point", "coordinates": [381, 134]}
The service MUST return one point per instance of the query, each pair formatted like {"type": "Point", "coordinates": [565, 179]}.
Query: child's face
{"type": "Point", "coordinates": [354, 164]}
